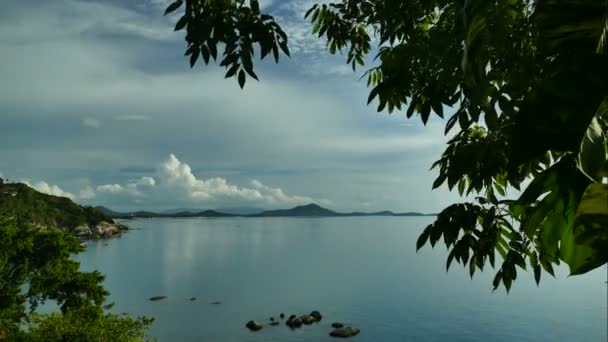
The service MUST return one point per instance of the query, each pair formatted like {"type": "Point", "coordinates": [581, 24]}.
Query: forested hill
{"type": "Point", "coordinates": [19, 201]}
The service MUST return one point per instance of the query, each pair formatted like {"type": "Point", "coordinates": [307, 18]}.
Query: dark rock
{"type": "Point", "coordinates": [272, 319]}
{"type": "Point", "coordinates": [274, 324]}
{"type": "Point", "coordinates": [297, 322]}
{"type": "Point", "coordinates": [155, 298]}
{"type": "Point", "coordinates": [316, 315]}
{"type": "Point", "coordinates": [215, 303]}
{"type": "Point", "coordinates": [345, 332]}
{"type": "Point", "coordinates": [253, 326]}
{"type": "Point", "coordinates": [192, 299]}
{"type": "Point", "coordinates": [337, 325]}
{"type": "Point", "coordinates": [308, 320]}
{"type": "Point", "coordinates": [282, 315]}
{"type": "Point", "coordinates": [294, 322]}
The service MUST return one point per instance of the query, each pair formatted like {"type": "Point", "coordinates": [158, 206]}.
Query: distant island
{"type": "Point", "coordinates": [309, 210]}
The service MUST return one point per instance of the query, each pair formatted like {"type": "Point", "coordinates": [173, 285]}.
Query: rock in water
{"type": "Point", "coordinates": [274, 324]}
{"type": "Point", "coordinates": [272, 319]}
{"type": "Point", "coordinates": [337, 325]}
{"type": "Point", "coordinates": [308, 320]}
{"type": "Point", "coordinates": [192, 299]}
{"type": "Point", "coordinates": [253, 326]}
{"type": "Point", "coordinates": [282, 315]}
{"type": "Point", "coordinates": [155, 298]}
{"type": "Point", "coordinates": [316, 315]}
{"type": "Point", "coordinates": [294, 322]}
{"type": "Point", "coordinates": [345, 332]}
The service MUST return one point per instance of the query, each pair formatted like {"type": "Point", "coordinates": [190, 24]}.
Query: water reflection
{"type": "Point", "coordinates": [360, 270]}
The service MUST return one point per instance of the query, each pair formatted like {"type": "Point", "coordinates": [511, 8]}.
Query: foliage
{"type": "Point", "coordinates": [32, 207]}
{"type": "Point", "coordinates": [36, 266]}
{"type": "Point", "coordinates": [527, 81]}
{"type": "Point", "coordinates": [234, 24]}
{"type": "Point", "coordinates": [82, 326]}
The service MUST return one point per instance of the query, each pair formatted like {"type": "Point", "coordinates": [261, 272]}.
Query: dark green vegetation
{"type": "Point", "coordinates": [309, 210]}
{"type": "Point", "coordinates": [35, 267]}
{"type": "Point", "coordinates": [29, 206]}
{"type": "Point", "coordinates": [527, 81]}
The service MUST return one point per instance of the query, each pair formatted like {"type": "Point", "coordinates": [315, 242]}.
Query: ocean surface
{"type": "Point", "coordinates": [361, 271]}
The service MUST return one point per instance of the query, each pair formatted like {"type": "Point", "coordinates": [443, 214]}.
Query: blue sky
{"type": "Point", "coordinates": [100, 105]}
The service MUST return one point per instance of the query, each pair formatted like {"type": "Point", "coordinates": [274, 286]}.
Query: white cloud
{"type": "Point", "coordinates": [126, 68]}
{"type": "Point", "coordinates": [91, 123]}
{"type": "Point", "coordinates": [179, 176]}
{"type": "Point", "coordinates": [146, 181]}
{"type": "Point", "coordinates": [49, 189]}
{"type": "Point", "coordinates": [86, 194]}
{"type": "Point", "coordinates": [110, 188]}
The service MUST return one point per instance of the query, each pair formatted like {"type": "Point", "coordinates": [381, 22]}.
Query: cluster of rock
{"type": "Point", "coordinates": [294, 322]}
{"type": "Point", "coordinates": [101, 230]}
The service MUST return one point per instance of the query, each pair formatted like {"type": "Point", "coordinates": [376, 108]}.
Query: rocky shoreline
{"type": "Point", "coordinates": [102, 230]}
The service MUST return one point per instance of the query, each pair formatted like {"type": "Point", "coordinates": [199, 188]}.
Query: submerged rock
{"type": "Point", "coordinates": [282, 315]}
{"type": "Point", "coordinates": [155, 298]}
{"type": "Point", "coordinates": [274, 324]}
{"type": "Point", "coordinates": [294, 322]}
{"type": "Point", "coordinates": [192, 299]}
{"type": "Point", "coordinates": [337, 325]}
{"type": "Point", "coordinates": [253, 326]}
{"type": "Point", "coordinates": [215, 303]}
{"type": "Point", "coordinates": [316, 315]}
{"type": "Point", "coordinates": [345, 332]}
{"type": "Point", "coordinates": [272, 319]}
{"type": "Point", "coordinates": [308, 320]}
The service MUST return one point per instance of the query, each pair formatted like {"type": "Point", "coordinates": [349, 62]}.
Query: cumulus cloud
{"type": "Point", "coordinates": [49, 189]}
{"type": "Point", "coordinates": [110, 188]}
{"type": "Point", "coordinates": [179, 176]}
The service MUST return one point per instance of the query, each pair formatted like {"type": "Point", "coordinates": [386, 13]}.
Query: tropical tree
{"type": "Point", "coordinates": [35, 267]}
{"type": "Point", "coordinates": [528, 84]}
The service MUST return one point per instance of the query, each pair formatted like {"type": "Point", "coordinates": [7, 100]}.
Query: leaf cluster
{"type": "Point", "coordinates": [236, 25]}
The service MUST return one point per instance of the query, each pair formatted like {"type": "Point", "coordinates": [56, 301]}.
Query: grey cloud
{"type": "Point", "coordinates": [318, 126]}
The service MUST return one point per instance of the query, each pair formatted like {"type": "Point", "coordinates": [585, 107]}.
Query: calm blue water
{"type": "Point", "coordinates": [361, 271]}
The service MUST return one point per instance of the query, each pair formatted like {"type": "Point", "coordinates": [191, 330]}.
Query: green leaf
{"type": "Point", "coordinates": [242, 78]}
{"type": "Point", "coordinates": [194, 57]}
{"type": "Point", "coordinates": [174, 6]}
{"type": "Point", "coordinates": [255, 6]}
{"type": "Point", "coordinates": [232, 71]}
{"type": "Point", "coordinates": [181, 23]}
{"type": "Point", "coordinates": [593, 156]}
{"type": "Point", "coordinates": [423, 238]}
{"type": "Point", "coordinates": [437, 108]}
{"type": "Point", "coordinates": [537, 271]}
{"type": "Point", "coordinates": [437, 183]}
{"type": "Point", "coordinates": [497, 279]}
{"type": "Point", "coordinates": [451, 122]}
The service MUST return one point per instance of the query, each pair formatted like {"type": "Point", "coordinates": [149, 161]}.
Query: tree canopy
{"type": "Point", "coordinates": [35, 267]}
{"type": "Point", "coordinates": [527, 82]}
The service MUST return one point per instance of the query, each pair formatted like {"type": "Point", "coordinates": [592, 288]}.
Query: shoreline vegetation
{"type": "Point", "coordinates": [29, 207]}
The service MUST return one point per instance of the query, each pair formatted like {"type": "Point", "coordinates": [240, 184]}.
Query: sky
{"type": "Point", "coordinates": [99, 104]}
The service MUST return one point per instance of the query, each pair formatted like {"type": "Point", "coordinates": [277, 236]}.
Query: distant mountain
{"type": "Point", "coordinates": [27, 205]}
{"type": "Point", "coordinates": [302, 210]}
{"type": "Point", "coordinates": [240, 210]}
{"type": "Point", "coordinates": [309, 210]}
{"type": "Point", "coordinates": [169, 214]}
